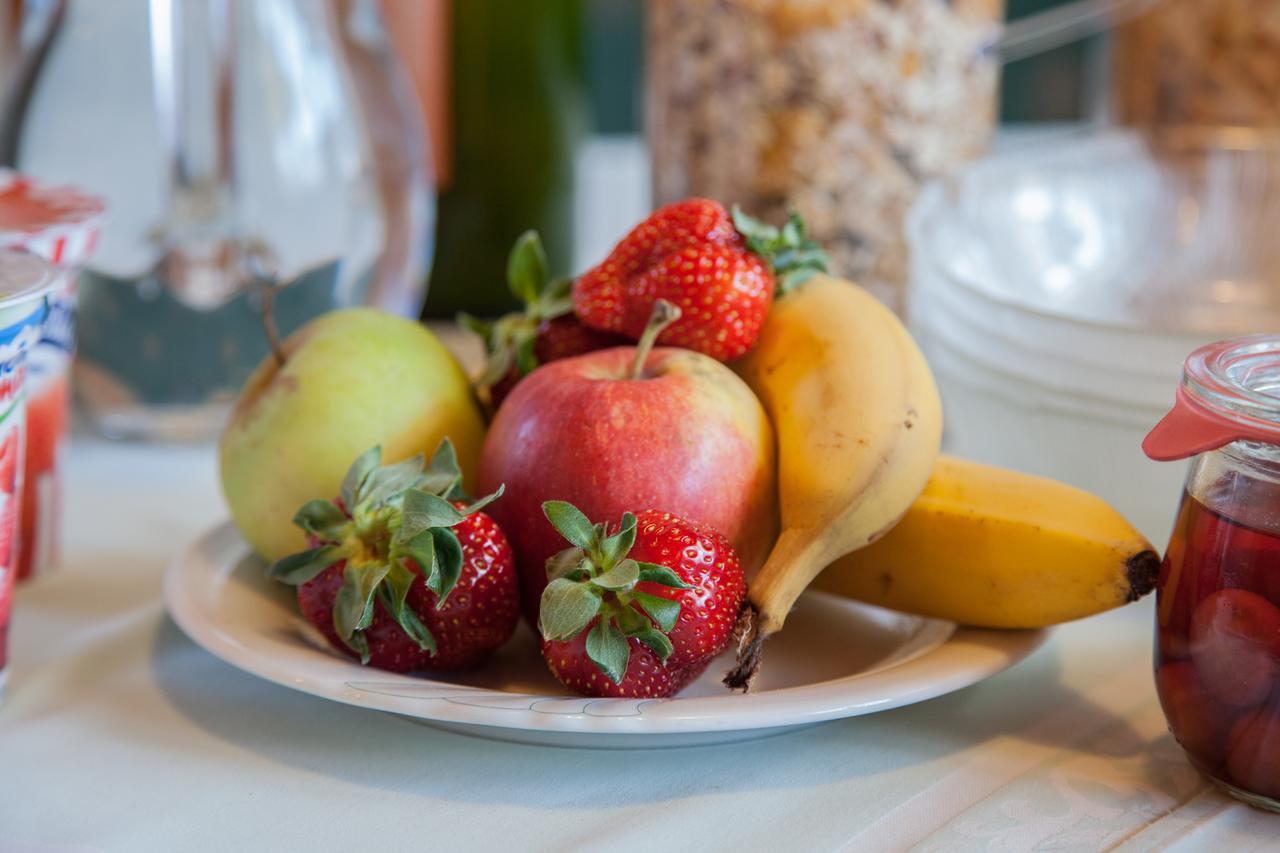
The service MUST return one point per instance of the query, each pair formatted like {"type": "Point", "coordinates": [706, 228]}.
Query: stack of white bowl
{"type": "Point", "coordinates": [1057, 288]}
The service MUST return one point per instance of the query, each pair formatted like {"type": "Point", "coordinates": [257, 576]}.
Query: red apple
{"type": "Point", "coordinates": [685, 436]}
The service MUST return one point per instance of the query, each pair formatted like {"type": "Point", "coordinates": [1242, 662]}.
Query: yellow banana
{"type": "Point", "coordinates": [858, 423]}
{"type": "Point", "coordinates": [990, 547]}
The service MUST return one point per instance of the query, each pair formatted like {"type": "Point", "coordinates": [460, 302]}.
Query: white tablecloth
{"type": "Point", "coordinates": [119, 734]}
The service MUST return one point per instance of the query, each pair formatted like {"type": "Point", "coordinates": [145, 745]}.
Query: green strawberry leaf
{"type": "Point", "coordinates": [393, 594]}
{"type": "Point", "coordinates": [609, 650]}
{"type": "Point", "coordinates": [446, 568]}
{"type": "Point", "coordinates": [527, 268]}
{"type": "Point", "coordinates": [566, 608]}
{"type": "Point", "coordinates": [320, 518]}
{"type": "Point", "coordinates": [617, 546]}
{"type": "Point", "coordinates": [422, 550]}
{"type": "Point", "coordinates": [443, 476]}
{"type": "Point", "coordinates": [359, 644]}
{"type": "Point", "coordinates": [297, 569]}
{"type": "Point", "coordinates": [654, 573]}
{"type": "Point", "coordinates": [569, 521]}
{"type": "Point", "coordinates": [557, 300]}
{"type": "Point", "coordinates": [476, 506]}
{"type": "Point", "coordinates": [360, 469]}
{"type": "Point", "coordinates": [526, 361]}
{"type": "Point", "coordinates": [389, 481]}
{"type": "Point", "coordinates": [353, 608]}
{"type": "Point", "coordinates": [658, 641]}
{"type": "Point", "coordinates": [422, 511]}
{"type": "Point", "coordinates": [566, 564]}
{"type": "Point", "coordinates": [663, 611]}
{"type": "Point", "coordinates": [631, 621]}
{"type": "Point", "coordinates": [620, 578]}
{"type": "Point", "coordinates": [476, 326]}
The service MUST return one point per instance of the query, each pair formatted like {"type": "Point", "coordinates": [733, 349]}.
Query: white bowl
{"type": "Point", "coordinates": [1057, 288]}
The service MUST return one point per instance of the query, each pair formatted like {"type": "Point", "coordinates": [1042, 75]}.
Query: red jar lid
{"type": "Point", "coordinates": [1230, 391]}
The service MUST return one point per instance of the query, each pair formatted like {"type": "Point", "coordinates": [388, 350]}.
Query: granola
{"type": "Point", "coordinates": [1201, 63]}
{"type": "Point", "coordinates": [837, 108]}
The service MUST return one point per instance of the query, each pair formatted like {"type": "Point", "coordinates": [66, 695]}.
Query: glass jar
{"type": "Point", "coordinates": [839, 110]}
{"type": "Point", "coordinates": [1191, 63]}
{"type": "Point", "coordinates": [240, 145]}
{"type": "Point", "coordinates": [1217, 653]}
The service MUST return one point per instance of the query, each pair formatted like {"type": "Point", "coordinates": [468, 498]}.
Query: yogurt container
{"type": "Point", "coordinates": [60, 224]}
{"type": "Point", "coordinates": [26, 286]}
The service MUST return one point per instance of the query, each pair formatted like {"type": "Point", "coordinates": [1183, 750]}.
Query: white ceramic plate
{"type": "Point", "coordinates": [836, 658]}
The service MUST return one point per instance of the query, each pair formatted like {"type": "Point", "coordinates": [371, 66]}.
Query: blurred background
{"type": "Point", "coordinates": [1063, 197]}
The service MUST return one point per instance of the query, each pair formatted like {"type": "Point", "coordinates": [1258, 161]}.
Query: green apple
{"type": "Point", "coordinates": [351, 380]}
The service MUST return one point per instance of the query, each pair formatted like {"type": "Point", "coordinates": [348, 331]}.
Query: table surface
{"type": "Point", "coordinates": [118, 733]}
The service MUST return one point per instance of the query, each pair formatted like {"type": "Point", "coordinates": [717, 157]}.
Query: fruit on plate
{"type": "Point", "coordinates": [858, 423]}
{"type": "Point", "coordinates": [349, 380]}
{"type": "Point", "coordinates": [631, 427]}
{"type": "Point", "coordinates": [400, 572]}
{"type": "Point", "coordinates": [638, 611]}
{"type": "Point", "coordinates": [1000, 549]}
{"type": "Point", "coordinates": [720, 272]}
{"type": "Point", "coordinates": [545, 331]}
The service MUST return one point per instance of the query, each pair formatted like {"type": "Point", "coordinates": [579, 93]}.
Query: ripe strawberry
{"type": "Point", "coordinates": [639, 613]}
{"type": "Point", "coordinates": [545, 331]}
{"type": "Point", "coordinates": [720, 271]}
{"type": "Point", "coordinates": [407, 578]}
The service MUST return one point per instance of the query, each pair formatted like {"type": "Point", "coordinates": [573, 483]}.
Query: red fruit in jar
{"type": "Point", "coordinates": [544, 331]}
{"type": "Point", "coordinates": [407, 578]}
{"type": "Point", "coordinates": [1253, 756]}
{"type": "Point", "coordinates": [1198, 723]}
{"type": "Point", "coordinates": [641, 612]}
{"type": "Point", "coordinates": [720, 271]}
{"type": "Point", "coordinates": [1235, 644]}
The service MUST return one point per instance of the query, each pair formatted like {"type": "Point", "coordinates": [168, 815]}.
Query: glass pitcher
{"type": "Point", "coordinates": [243, 147]}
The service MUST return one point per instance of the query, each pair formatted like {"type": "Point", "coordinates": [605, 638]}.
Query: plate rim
{"type": "Point", "coordinates": [625, 718]}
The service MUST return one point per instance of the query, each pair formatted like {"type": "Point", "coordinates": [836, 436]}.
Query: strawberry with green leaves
{"type": "Point", "coordinates": [546, 330]}
{"type": "Point", "coordinates": [639, 612]}
{"type": "Point", "coordinates": [720, 270]}
{"type": "Point", "coordinates": [401, 572]}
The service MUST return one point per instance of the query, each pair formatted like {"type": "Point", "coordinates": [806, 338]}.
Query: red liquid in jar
{"type": "Point", "coordinates": [1218, 642]}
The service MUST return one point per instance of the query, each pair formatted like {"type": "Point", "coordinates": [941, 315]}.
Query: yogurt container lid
{"type": "Point", "coordinates": [23, 276]}
{"type": "Point", "coordinates": [28, 207]}
{"type": "Point", "coordinates": [58, 223]}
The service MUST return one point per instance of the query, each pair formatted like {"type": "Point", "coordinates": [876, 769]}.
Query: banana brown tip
{"type": "Point", "coordinates": [750, 644]}
{"type": "Point", "coordinates": [1142, 569]}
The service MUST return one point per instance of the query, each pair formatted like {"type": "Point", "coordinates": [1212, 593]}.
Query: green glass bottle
{"type": "Point", "coordinates": [518, 110]}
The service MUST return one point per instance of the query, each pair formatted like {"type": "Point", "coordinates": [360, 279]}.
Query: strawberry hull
{"type": "Point", "coordinates": [688, 438]}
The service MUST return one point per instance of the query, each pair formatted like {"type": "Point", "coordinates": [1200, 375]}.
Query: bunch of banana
{"type": "Point", "coordinates": [990, 547]}
{"type": "Point", "coordinates": [858, 422]}
{"type": "Point", "coordinates": [862, 489]}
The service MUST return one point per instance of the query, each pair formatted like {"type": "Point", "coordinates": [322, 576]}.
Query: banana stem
{"type": "Point", "coordinates": [664, 314]}
{"type": "Point", "coordinates": [795, 560]}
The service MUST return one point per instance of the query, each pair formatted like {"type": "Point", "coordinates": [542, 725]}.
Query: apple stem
{"type": "Point", "coordinates": [664, 314]}
{"type": "Point", "coordinates": [269, 322]}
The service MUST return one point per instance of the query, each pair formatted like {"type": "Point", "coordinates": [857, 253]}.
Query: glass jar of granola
{"type": "Point", "coordinates": [1200, 64]}
{"type": "Point", "coordinates": [838, 109]}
